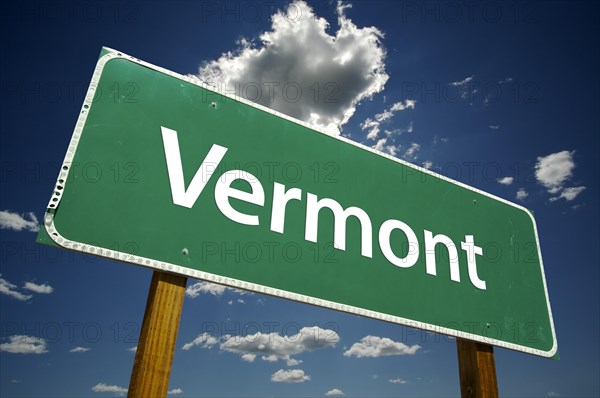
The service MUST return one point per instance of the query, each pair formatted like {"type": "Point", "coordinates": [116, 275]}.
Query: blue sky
{"type": "Point", "coordinates": [501, 96]}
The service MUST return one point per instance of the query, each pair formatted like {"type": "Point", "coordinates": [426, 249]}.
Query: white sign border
{"type": "Point", "coordinates": [238, 284]}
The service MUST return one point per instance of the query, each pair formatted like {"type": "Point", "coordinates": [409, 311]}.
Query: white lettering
{"type": "Point", "coordinates": [181, 196]}
{"type": "Point", "coordinates": [469, 246]}
{"type": "Point", "coordinates": [280, 199]}
{"type": "Point", "coordinates": [385, 233]}
{"type": "Point", "coordinates": [430, 265]}
{"type": "Point", "coordinates": [224, 191]}
{"type": "Point", "coordinates": [313, 206]}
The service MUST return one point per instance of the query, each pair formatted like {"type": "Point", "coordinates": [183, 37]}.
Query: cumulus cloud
{"type": "Point", "coordinates": [568, 194]}
{"type": "Point", "coordinates": [398, 381]}
{"type": "Point", "coordinates": [41, 289]}
{"type": "Point", "coordinates": [80, 349]}
{"type": "Point", "coordinates": [21, 344]}
{"type": "Point", "coordinates": [132, 349]}
{"type": "Point", "coordinates": [428, 164]}
{"type": "Point", "coordinates": [336, 392]}
{"type": "Point", "coordinates": [204, 340]}
{"type": "Point", "coordinates": [101, 387]}
{"type": "Point", "coordinates": [270, 347]}
{"type": "Point", "coordinates": [554, 170]}
{"type": "Point", "coordinates": [506, 180]}
{"type": "Point", "coordinates": [374, 347]}
{"type": "Point", "coordinates": [522, 194]}
{"type": "Point", "coordinates": [290, 376]}
{"type": "Point", "coordinates": [175, 391]}
{"type": "Point", "coordinates": [301, 70]}
{"type": "Point", "coordinates": [10, 289]}
{"type": "Point", "coordinates": [18, 222]}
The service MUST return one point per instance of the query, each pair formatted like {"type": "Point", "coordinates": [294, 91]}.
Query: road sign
{"type": "Point", "coordinates": [164, 172]}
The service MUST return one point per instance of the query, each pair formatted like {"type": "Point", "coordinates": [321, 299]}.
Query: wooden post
{"type": "Point", "coordinates": [477, 370]}
{"type": "Point", "coordinates": [156, 346]}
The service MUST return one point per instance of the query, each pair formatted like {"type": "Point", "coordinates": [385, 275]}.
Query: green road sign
{"type": "Point", "coordinates": [164, 172]}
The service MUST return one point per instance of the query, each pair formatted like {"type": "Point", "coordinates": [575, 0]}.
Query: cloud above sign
{"type": "Point", "coordinates": [554, 171]}
{"type": "Point", "coordinates": [301, 70]}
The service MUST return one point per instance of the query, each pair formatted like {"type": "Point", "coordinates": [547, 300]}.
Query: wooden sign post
{"type": "Point", "coordinates": [156, 346]}
{"type": "Point", "coordinates": [477, 370]}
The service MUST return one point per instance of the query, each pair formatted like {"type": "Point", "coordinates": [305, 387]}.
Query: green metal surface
{"type": "Point", "coordinates": [118, 196]}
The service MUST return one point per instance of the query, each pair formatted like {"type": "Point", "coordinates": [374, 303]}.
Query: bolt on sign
{"type": "Point", "coordinates": [165, 172]}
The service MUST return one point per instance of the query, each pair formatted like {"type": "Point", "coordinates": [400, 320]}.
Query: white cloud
{"type": "Point", "coordinates": [495, 127]}
{"type": "Point", "coordinates": [428, 164]}
{"type": "Point", "coordinates": [41, 289]}
{"type": "Point", "coordinates": [132, 349]}
{"type": "Point", "coordinates": [398, 381]}
{"type": "Point", "coordinates": [271, 347]}
{"type": "Point", "coordinates": [336, 392]}
{"type": "Point", "coordinates": [10, 290]}
{"type": "Point", "coordinates": [290, 376]}
{"type": "Point", "coordinates": [374, 126]}
{"type": "Point", "coordinates": [554, 170]}
{"type": "Point", "coordinates": [508, 79]}
{"type": "Point", "coordinates": [17, 222]}
{"type": "Point", "coordinates": [199, 288]}
{"type": "Point", "coordinates": [466, 90]}
{"type": "Point", "coordinates": [101, 387]}
{"type": "Point", "coordinates": [569, 194]}
{"type": "Point", "coordinates": [293, 362]}
{"type": "Point", "coordinates": [204, 340]}
{"type": "Point", "coordinates": [411, 152]}
{"type": "Point", "coordinates": [80, 349]}
{"type": "Point", "coordinates": [21, 344]}
{"type": "Point", "coordinates": [522, 194]}
{"type": "Point", "coordinates": [553, 394]}
{"type": "Point", "coordinates": [462, 82]}
{"type": "Point", "coordinates": [175, 391]}
{"type": "Point", "coordinates": [506, 180]}
{"type": "Point", "coordinates": [248, 357]}
{"type": "Point", "coordinates": [333, 71]}
{"type": "Point", "coordinates": [389, 149]}
{"type": "Point", "coordinates": [196, 289]}
{"type": "Point", "coordinates": [374, 347]}
{"type": "Point", "coordinates": [391, 111]}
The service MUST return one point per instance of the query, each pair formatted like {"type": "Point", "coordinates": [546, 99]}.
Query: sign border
{"type": "Point", "coordinates": [110, 54]}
